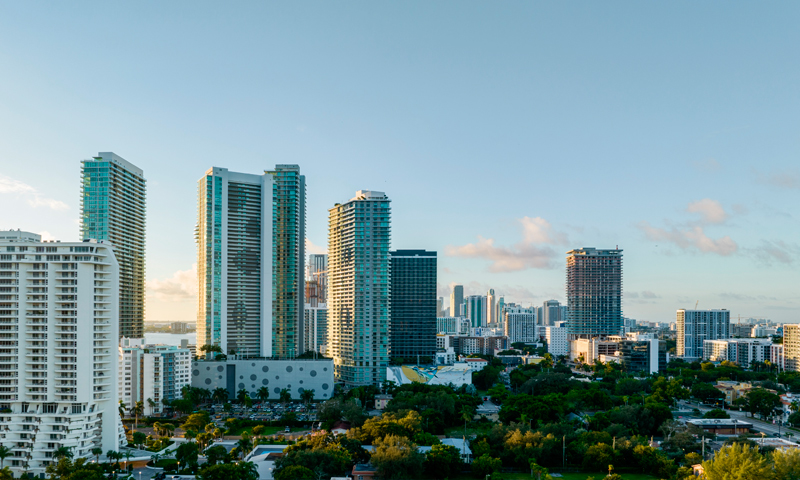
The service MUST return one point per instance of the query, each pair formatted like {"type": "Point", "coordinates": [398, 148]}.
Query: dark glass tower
{"type": "Point", "coordinates": [413, 313]}
{"type": "Point", "coordinates": [594, 292]}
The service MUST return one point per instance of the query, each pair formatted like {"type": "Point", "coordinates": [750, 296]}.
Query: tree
{"type": "Point", "coordinates": [197, 421]}
{"type": "Point", "coordinates": [397, 457]}
{"type": "Point", "coordinates": [706, 393]}
{"type": "Point", "coordinates": [65, 469]}
{"type": "Point", "coordinates": [485, 465]}
{"type": "Point", "coordinates": [262, 394]}
{"type": "Point", "coordinates": [96, 451]}
{"type": "Point", "coordinates": [138, 438]}
{"type": "Point", "coordinates": [241, 395]}
{"type": "Point", "coordinates": [307, 396]}
{"type": "Point", "coordinates": [716, 413]}
{"type": "Point", "coordinates": [229, 471]}
{"type": "Point", "coordinates": [136, 410]}
{"type": "Point", "coordinates": [787, 464]}
{"type": "Point", "coordinates": [5, 452]}
{"type": "Point", "coordinates": [285, 396]}
{"type": "Point", "coordinates": [443, 461]}
{"type": "Point", "coordinates": [245, 444]}
{"type": "Point", "coordinates": [203, 439]}
{"type": "Point", "coordinates": [762, 402]}
{"type": "Point", "coordinates": [63, 452]}
{"type": "Point", "coordinates": [187, 453]}
{"type": "Point", "coordinates": [738, 461]}
{"type": "Point", "coordinates": [220, 395]}
{"type": "Point", "coordinates": [217, 454]}
{"type": "Point", "coordinates": [295, 472]}
{"type": "Point", "coordinates": [152, 405]}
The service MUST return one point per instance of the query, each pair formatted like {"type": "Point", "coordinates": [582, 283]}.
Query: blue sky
{"type": "Point", "coordinates": [505, 134]}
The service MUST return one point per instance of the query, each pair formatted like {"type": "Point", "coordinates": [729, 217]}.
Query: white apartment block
{"type": "Point", "coordinates": [453, 325]}
{"type": "Point", "coordinates": [557, 343]}
{"type": "Point", "coordinates": [519, 324]}
{"type": "Point", "coordinates": [741, 351]}
{"type": "Point", "coordinates": [696, 326]}
{"type": "Point", "coordinates": [791, 346]}
{"type": "Point", "coordinates": [152, 373]}
{"type": "Point", "coordinates": [58, 328]}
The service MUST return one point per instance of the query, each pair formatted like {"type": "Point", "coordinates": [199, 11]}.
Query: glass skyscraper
{"type": "Point", "coordinates": [413, 305]}
{"type": "Point", "coordinates": [288, 260]}
{"type": "Point", "coordinates": [113, 198]}
{"type": "Point", "coordinates": [594, 292]}
{"type": "Point", "coordinates": [250, 246]}
{"type": "Point", "coordinates": [359, 237]}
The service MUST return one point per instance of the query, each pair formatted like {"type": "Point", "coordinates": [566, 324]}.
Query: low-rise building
{"type": "Point", "coordinates": [722, 426]}
{"type": "Point", "coordinates": [251, 375]}
{"type": "Point", "coordinates": [732, 390]}
{"type": "Point", "coordinates": [557, 343]}
{"type": "Point", "coordinates": [741, 351]}
{"type": "Point", "coordinates": [587, 350]}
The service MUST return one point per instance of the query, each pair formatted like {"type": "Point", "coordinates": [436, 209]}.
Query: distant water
{"type": "Point", "coordinates": [170, 338]}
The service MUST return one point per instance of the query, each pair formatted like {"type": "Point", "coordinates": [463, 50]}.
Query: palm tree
{"type": "Point", "coordinates": [122, 409]}
{"type": "Point", "coordinates": [220, 395]}
{"type": "Point", "coordinates": [63, 452]}
{"type": "Point", "coordinates": [263, 394]}
{"type": "Point", "coordinates": [4, 453]}
{"type": "Point", "coordinates": [285, 396]}
{"type": "Point", "coordinates": [97, 451]}
{"type": "Point", "coordinates": [152, 405]}
{"type": "Point", "coordinates": [244, 445]}
{"type": "Point", "coordinates": [190, 434]}
{"type": "Point", "coordinates": [138, 409]}
{"type": "Point", "coordinates": [241, 395]}
{"type": "Point", "coordinates": [307, 396]}
{"type": "Point", "coordinates": [128, 456]}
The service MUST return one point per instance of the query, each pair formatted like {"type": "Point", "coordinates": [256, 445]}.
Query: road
{"type": "Point", "coordinates": [758, 425]}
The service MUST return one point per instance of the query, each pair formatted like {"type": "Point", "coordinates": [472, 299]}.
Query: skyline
{"type": "Point", "coordinates": [531, 131]}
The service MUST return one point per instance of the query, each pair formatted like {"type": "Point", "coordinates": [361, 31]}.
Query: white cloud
{"type": "Point", "coordinates": [47, 236]}
{"type": "Point", "coordinates": [315, 249]}
{"type": "Point", "coordinates": [181, 286]}
{"type": "Point", "coordinates": [30, 194]}
{"type": "Point", "coordinates": [710, 210]}
{"type": "Point", "coordinates": [789, 179]}
{"type": "Point", "coordinates": [526, 254]}
{"type": "Point", "coordinates": [689, 238]}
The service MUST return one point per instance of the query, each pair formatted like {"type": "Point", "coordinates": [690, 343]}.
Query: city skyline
{"type": "Point", "coordinates": [687, 162]}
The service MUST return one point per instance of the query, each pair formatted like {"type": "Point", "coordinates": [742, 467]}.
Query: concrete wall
{"type": "Point", "coordinates": [276, 375]}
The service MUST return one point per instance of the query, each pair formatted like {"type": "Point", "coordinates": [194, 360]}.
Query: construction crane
{"type": "Point", "coordinates": [696, 304]}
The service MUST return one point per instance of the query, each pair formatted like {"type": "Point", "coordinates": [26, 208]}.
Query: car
{"type": "Point", "coordinates": [287, 429]}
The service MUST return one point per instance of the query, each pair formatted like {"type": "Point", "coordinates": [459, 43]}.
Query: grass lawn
{"type": "Point", "coordinates": [267, 431]}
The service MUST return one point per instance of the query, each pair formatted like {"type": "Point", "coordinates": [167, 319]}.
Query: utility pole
{"type": "Point", "coordinates": [704, 448]}
{"type": "Point", "coordinates": [564, 452]}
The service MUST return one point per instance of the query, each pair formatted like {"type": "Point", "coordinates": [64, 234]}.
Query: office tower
{"type": "Point", "coordinates": [359, 237]}
{"type": "Point", "coordinates": [519, 324]}
{"type": "Point", "coordinates": [594, 292]}
{"type": "Point", "coordinates": [250, 261]}
{"type": "Point", "coordinates": [648, 356]}
{"type": "Point", "coordinates": [413, 304]}
{"type": "Point", "coordinates": [551, 313]}
{"type": "Point", "coordinates": [316, 328]}
{"type": "Point", "coordinates": [288, 260]}
{"type": "Point", "coordinates": [113, 195]}
{"type": "Point", "coordinates": [491, 308]}
{"type": "Point", "coordinates": [316, 279]}
{"type": "Point", "coordinates": [475, 310]}
{"type": "Point", "coordinates": [501, 306]}
{"type": "Point", "coordinates": [696, 326]}
{"type": "Point", "coordinates": [58, 362]}
{"type": "Point", "coordinates": [152, 373]}
{"type": "Point", "coordinates": [457, 301]}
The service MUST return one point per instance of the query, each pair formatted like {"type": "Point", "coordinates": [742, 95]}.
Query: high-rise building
{"type": "Point", "coordinates": [557, 343]}
{"type": "Point", "coordinates": [519, 324]}
{"type": "Point", "coordinates": [475, 310]}
{"type": "Point", "coordinates": [288, 260]}
{"type": "Point", "coordinates": [440, 307]}
{"type": "Point", "coordinates": [696, 326]}
{"type": "Point", "coordinates": [552, 312]}
{"type": "Point", "coordinates": [501, 305]}
{"type": "Point", "coordinates": [152, 373]}
{"type": "Point", "coordinates": [791, 346]}
{"type": "Point", "coordinates": [58, 358]}
{"type": "Point", "coordinates": [316, 328]}
{"type": "Point", "coordinates": [413, 305]}
{"type": "Point", "coordinates": [316, 279]}
{"type": "Point", "coordinates": [113, 199]}
{"type": "Point", "coordinates": [456, 301]}
{"type": "Point", "coordinates": [250, 246]}
{"type": "Point", "coordinates": [491, 308]}
{"type": "Point", "coordinates": [594, 292]}
{"type": "Point", "coordinates": [359, 238]}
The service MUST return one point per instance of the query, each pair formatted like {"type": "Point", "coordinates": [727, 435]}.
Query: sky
{"type": "Point", "coordinates": [505, 134]}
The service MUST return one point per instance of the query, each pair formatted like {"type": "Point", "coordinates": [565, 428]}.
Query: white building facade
{"type": "Point", "coordinates": [519, 324]}
{"type": "Point", "coordinates": [741, 351]}
{"type": "Point", "coordinates": [58, 331]}
{"type": "Point", "coordinates": [557, 343]}
{"type": "Point", "coordinates": [152, 373]}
